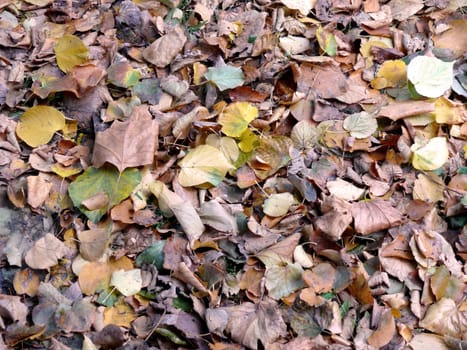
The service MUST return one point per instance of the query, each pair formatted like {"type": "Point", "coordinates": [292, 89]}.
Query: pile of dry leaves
{"type": "Point", "coordinates": [224, 175]}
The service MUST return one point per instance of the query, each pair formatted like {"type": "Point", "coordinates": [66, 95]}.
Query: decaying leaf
{"type": "Point", "coordinates": [444, 318]}
{"type": "Point", "coordinates": [248, 323]}
{"type": "Point", "coordinates": [283, 279]}
{"type": "Point", "coordinates": [127, 144]}
{"type": "Point", "coordinates": [374, 215]}
{"type": "Point", "coordinates": [46, 252]}
{"type": "Point", "coordinates": [183, 210]}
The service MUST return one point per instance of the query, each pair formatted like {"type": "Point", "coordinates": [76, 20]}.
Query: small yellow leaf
{"type": "Point", "coordinates": [70, 51]}
{"type": "Point", "coordinates": [127, 282]}
{"type": "Point", "coordinates": [248, 141]}
{"type": "Point", "coordinates": [448, 112]}
{"type": "Point", "coordinates": [236, 117]}
{"type": "Point", "coordinates": [121, 315]}
{"type": "Point", "coordinates": [392, 73]}
{"type": "Point", "coordinates": [431, 156]}
{"type": "Point", "coordinates": [38, 124]}
{"type": "Point", "coordinates": [204, 164]}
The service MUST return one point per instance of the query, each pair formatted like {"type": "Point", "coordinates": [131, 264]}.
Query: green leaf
{"type": "Point", "coordinates": [70, 51]}
{"type": "Point", "coordinates": [107, 180]}
{"type": "Point", "coordinates": [327, 41]}
{"type": "Point", "coordinates": [430, 76]}
{"type": "Point", "coordinates": [183, 303]}
{"type": "Point", "coordinates": [153, 254]}
{"type": "Point", "coordinates": [225, 77]}
{"type": "Point", "coordinates": [360, 125]}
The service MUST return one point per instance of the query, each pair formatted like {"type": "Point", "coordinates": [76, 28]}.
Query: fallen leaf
{"type": "Point", "coordinates": [278, 204]}
{"type": "Point", "coordinates": [163, 50]}
{"type": "Point", "coordinates": [304, 135]}
{"type": "Point", "coordinates": [444, 318]}
{"type": "Point", "coordinates": [430, 76]}
{"type": "Point", "coordinates": [360, 125]}
{"type": "Point", "coordinates": [122, 74]}
{"type": "Point", "coordinates": [225, 77]}
{"type": "Point", "coordinates": [120, 315]}
{"type": "Point", "coordinates": [38, 125]}
{"type": "Point", "coordinates": [423, 341]}
{"type": "Point", "coordinates": [203, 165]}
{"type": "Point", "coordinates": [327, 41]}
{"type": "Point", "coordinates": [38, 190]}
{"type": "Point", "coordinates": [345, 190]}
{"type": "Point", "coordinates": [46, 252]}
{"type": "Point", "coordinates": [183, 210]}
{"type": "Point", "coordinates": [283, 279]}
{"type": "Point", "coordinates": [374, 215]}
{"type": "Point", "coordinates": [236, 117]}
{"type": "Point", "coordinates": [431, 156]}
{"type": "Point", "coordinates": [270, 155]}
{"type": "Point", "coordinates": [93, 244]}
{"type": "Point", "coordinates": [127, 282]}
{"type": "Point", "coordinates": [107, 179]}
{"type": "Point", "coordinates": [303, 6]}
{"type": "Point", "coordinates": [248, 323]}
{"type": "Point", "coordinates": [294, 45]}
{"type": "Point", "coordinates": [12, 308]}
{"type": "Point", "coordinates": [70, 51]}
{"type": "Point", "coordinates": [385, 331]}
{"type": "Point", "coordinates": [127, 144]}
{"type": "Point", "coordinates": [26, 282]}
{"type": "Point", "coordinates": [453, 38]}
{"type": "Point", "coordinates": [321, 278]}
{"type": "Point", "coordinates": [392, 73]}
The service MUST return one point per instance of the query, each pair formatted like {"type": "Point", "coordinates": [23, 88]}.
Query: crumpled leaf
{"type": "Point", "coordinates": [70, 51]}
{"type": "Point", "coordinates": [278, 204]}
{"type": "Point", "coordinates": [38, 124]}
{"type": "Point", "coordinates": [127, 282]}
{"type": "Point", "coordinates": [360, 125]}
{"type": "Point", "coordinates": [247, 323]}
{"type": "Point", "coordinates": [183, 210]}
{"type": "Point", "coordinates": [225, 77]}
{"type": "Point", "coordinates": [162, 51]}
{"type": "Point", "coordinates": [374, 215]}
{"type": "Point", "coordinates": [107, 179]}
{"type": "Point", "coordinates": [46, 252]}
{"type": "Point", "coordinates": [445, 318]}
{"type": "Point", "coordinates": [236, 117]}
{"type": "Point", "coordinates": [430, 76]}
{"type": "Point", "coordinates": [127, 144]}
{"type": "Point", "coordinates": [432, 155]}
{"type": "Point", "coordinates": [203, 165]}
{"type": "Point", "coordinates": [270, 155]}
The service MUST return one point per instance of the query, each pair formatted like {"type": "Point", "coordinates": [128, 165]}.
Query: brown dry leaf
{"type": "Point", "coordinates": [77, 318]}
{"type": "Point", "coordinates": [183, 210]}
{"type": "Point", "coordinates": [98, 201]}
{"type": "Point", "coordinates": [93, 243]}
{"type": "Point", "coordinates": [445, 318]}
{"type": "Point", "coordinates": [127, 144]}
{"type": "Point", "coordinates": [444, 285]}
{"type": "Point", "coordinates": [345, 190]}
{"type": "Point", "coordinates": [38, 190]}
{"type": "Point", "coordinates": [428, 188]}
{"type": "Point", "coordinates": [162, 51]}
{"type": "Point", "coordinates": [359, 287]}
{"type": "Point", "coordinates": [320, 278]}
{"type": "Point", "coordinates": [46, 252]}
{"type": "Point", "coordinates": [386, 330]}
{"type": "Point", "coordinates": [26, 282]}
{"type": "Point", "coordinates": [424, 341]}
{"type": "Point", "coordinates": [453, 38]}
{"type": "Point", "coordinates": [16, 333]}
{"type": "Point", "coordinates": [328, 79]}
{"type": "Point", "coordinates": [399, 110]}
{"type": "Point", "coordinates": [247, 323]}
{"type": "Point", "coordinates": [12, 308]}
{"type": "Point", "coordinates": [374, 216]}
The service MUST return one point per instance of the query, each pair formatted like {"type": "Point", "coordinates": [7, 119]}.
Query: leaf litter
{"type": "Point", "coordinates": [227, 175]}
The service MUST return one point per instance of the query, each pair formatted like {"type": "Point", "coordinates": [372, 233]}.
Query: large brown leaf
{"type": "Point", "coordinates": [247, 323]}
{"type": "Point", "coordinates": [127, 144]}
{"type": "Point", "coordinates": [374, 216]}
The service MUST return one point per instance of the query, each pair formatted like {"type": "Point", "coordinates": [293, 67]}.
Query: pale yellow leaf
{"type": "Point", "coordinates": [38, 124]}
{"type": "Point", "coordinates": [278, 204]}
{"type": "Point", "coordinates": [203, 165]}
{"type": "Point", "coordinates": [127, 282]}
{"type": "Point", "coordinates": [432, 155]}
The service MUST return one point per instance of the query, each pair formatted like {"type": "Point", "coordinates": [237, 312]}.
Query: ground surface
{"type": "Point", "coordinates": [232, 174]}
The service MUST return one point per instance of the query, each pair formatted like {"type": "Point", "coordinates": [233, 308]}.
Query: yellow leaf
{"type": "Point", "coordinates": [392, 73]}
{"type": "Point", "coordinates": [248, 141]}
{"type": "Point", "coordinates": [278, 204]}
{"type": "Point", "coordinates": [236, 117]}
{"type": "Point", "coordinates": [227, 145]}
{"type": "Point", "coordinates": [121, 315]}
{"type": "Point", "coordinates": [38, 124]}
{"type": "Point", "coordinates": [70, 51]}
{"type": "Point", "coordinates": [448, 112]}
{"type": "Point", "coordinates": [204, 164]}
{"type": "Point", "coordinates": [431, 156]}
